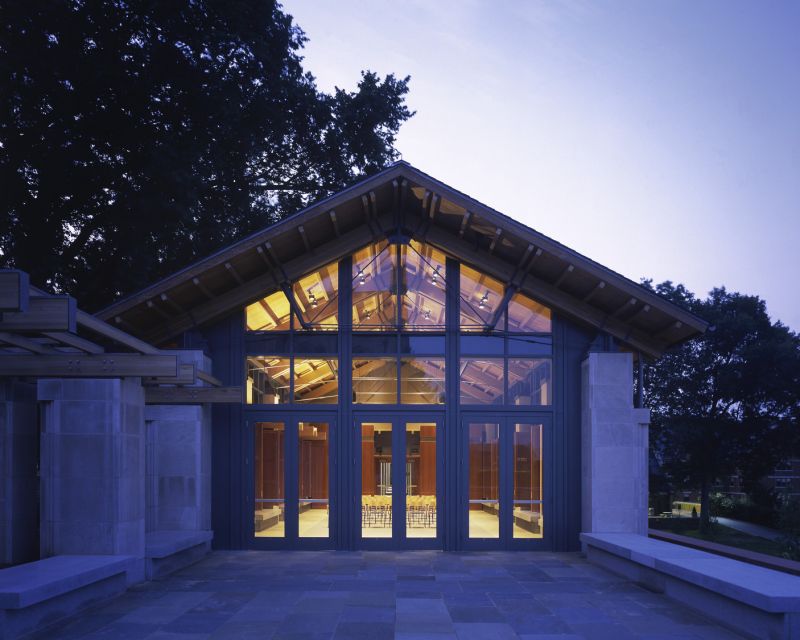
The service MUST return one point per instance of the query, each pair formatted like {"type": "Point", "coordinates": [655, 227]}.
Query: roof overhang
{"type": "Point", "coordinates": [403, 199]}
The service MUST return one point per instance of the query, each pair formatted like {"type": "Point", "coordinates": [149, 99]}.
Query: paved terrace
{"type": "Point", "coordinates": [376, 595]}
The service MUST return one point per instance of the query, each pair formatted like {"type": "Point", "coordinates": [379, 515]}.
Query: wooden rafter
{"type": "Point", "coordinates": [22, 342]}
{"type": "Point", "coordinates": [72, 340]}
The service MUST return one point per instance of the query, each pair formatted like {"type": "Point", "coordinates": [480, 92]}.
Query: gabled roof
{"type": "Point", "coordinates": [430, 211]}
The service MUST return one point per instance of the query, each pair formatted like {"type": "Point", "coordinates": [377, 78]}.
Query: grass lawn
{"type": "Point", "coordinates": [725, 535]}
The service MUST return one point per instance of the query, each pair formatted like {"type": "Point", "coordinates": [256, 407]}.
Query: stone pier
{"type": "Point", "coordinates": [93, 468]}
{"type": "Point", "coordinates": [613, 447]}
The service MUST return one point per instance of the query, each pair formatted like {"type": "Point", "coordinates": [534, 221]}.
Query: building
{"type": "Point", "coordinates": [416, 370]}
{"type": "Point", "coordinates": [396, 366]}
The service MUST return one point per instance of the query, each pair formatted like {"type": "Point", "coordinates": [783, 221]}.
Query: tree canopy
{"type": "Point", "coordinates": [138, 136]}
{"type": "Point", "coordinates": [728, 401]}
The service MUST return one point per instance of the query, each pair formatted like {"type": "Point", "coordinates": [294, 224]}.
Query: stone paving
{"type": "Point", "coordinates": [375, 595]}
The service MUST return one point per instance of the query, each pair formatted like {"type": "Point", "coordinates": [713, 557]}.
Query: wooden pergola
{"type": "Point", "coordinates": [48, 336]}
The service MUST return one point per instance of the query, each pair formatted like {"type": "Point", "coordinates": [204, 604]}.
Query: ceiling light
{"type": "Point", "coordinates": [361, 277]}
{"type": "Point", "coordinates": [482, 304]}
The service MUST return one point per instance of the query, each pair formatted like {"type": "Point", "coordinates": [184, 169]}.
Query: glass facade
{"type": "Point", "coordinates": [434, 349]}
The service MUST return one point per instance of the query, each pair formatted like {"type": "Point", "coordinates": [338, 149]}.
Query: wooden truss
{"type": "Point", "coordinates": [47, 336]}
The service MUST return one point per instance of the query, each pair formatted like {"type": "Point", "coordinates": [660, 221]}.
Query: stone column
{"type": "Point", "coordinates": [179, 461]}
{"type": "Point", "coordinates": [19, 462]}
{"type": "Point", "coordinates": [178, 467]}
{"type": "Point", "coordinates": [613, 447]}
{"type": "Point", "coordinates": [93, 467]}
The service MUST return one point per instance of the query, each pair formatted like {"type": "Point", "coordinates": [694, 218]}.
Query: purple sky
{"type": "Point", "coordinates": [660, 139]}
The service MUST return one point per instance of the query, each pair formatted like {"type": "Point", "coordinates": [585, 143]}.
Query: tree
{"type": "Point", "coordinates": [136, 137]}
{"type": "Point", "coordinates": [727, 401]}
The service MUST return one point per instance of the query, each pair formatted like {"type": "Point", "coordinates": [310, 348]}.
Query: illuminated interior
{"type": "Point", "coordinates": [399, 350]}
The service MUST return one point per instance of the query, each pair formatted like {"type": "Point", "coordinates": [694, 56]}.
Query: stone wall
{"type": "Point", "coordinates": [613, 447]}
{"type": "Point", "coordinates": [178, 467]}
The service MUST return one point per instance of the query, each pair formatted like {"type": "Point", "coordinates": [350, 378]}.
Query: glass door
{"type": "Point", "coordinates": [504, 484]}
{"type": "Point", "coordinates": [292, 478]}
{"type": "Point", "coordinates": [398, 479]}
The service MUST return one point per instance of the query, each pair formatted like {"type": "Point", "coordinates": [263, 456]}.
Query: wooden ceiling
{"type": "Point", "coordinates": [402, 197]}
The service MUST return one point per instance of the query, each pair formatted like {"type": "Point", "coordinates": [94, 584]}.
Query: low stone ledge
{"type": "Point", "coordinates": [759, 602]}
{"type": "Point", "coordinates": [38, 594]}
{"type": "Point", "coordinates": [33, 582]}
{"type": "Point", "coordinates": [169, 551]}
{"type": "Point", "coordinates": [744, 555]}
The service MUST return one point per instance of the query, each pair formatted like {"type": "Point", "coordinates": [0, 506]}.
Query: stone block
{"type": "Point", "coordinates": [93, 461]}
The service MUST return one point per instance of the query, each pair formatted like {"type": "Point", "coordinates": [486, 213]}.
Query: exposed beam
{"type": "Point", "coordinates": [426, 198]}
{"type": "Point", "coordinates": [203, 289]}
{"type": "Point", "coordinates": [187, 374]}
{"type": "Point", "coordinates": [169, 301]}
{"type": "Point", "coordinates": [497, 233]}
{"type": "Point", "coordinates": [436, 201]}
{"type": "Point", "coordinates": [464, 223]}
{"type": "Point", "coordinates": [45, 313]}
{"type": "Point", "coordinates": [516, 229]}
{"type": "Point", "coordinates": [110, 365]}
{"type": "Point", "coordinates": [509, 293]}
{"type": "Point", "coordinates": [14, 290]}
{"type": "Point", "coordinates": [209, 379]}
{"type": "Point", "coordinates": [642, 309]}
{"type": "Point", "coordinates": [251, 241]}
{"type": "Point", "coordinates": [545, 292]}
{"type": "Point", "coordinates": [193, 395]}
{"type": "Point", "coordinates": [332, 215]}
{"type": "Point", "coordinates": [625, 306]}
{"type": "Point", "coordinates": [261, 285]}
{"type": "Point", "coordinates": [595, 290]}
{"type": "Point", "coordinates": [263, 256]}
{"type": "Point", "coordinates": [536, 255]}
{"type": "Point", "coordinates": [672, 326]}
{"type": "Point", "coordinates": [564, 274]}
{"type": "Point", "coordinates": [124, 324]}
{"type": "Point", "coordinates": [25, 343]}
{"type": "Point", "coordinates": [74, 341]}
{"type": "Point", "coordinates": [524, 259]}
{"type": "Point", "coordinates": [152, 305]}
{"type": "Point", "coordinates": [302, 231]}
{"type": "Point", "coordinates": [112, 333]}
{"type": "Point", "coordinates": [234, 273]}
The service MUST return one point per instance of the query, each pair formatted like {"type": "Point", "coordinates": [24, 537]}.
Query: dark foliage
{"type": "Point", "coordinates": [136, 137]}
{"type": "Point", "coordinates": [728, 401]}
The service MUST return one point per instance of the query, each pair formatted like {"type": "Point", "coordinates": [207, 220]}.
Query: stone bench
{"type": "Point", "coordinates": [38, 594]}
{"type": "Point", "coordinates": [751, 600]}
{"type": "Point", "coordinates": [168, 551]}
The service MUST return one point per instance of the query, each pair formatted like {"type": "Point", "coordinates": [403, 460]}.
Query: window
{"type": "Point", "coordinates": [268, 380]}
{"type": "Point", "coordinates": [422, 381]}
{"type": "Point", "coordinates": [316, 380]}
{"type": "Point", "coordinates": [480, 298]}
{"type": "Point", "coordinates": [481, 381]}
{"type": "Point", "coordinates": [271, 313]}
{"type": "Point", "coordinates": [374, 288]}
{"type": "Point", "coordinates": [316, 297]}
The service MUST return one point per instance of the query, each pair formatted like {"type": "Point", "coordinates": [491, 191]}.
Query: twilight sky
{"type": "Point", "coordinates": [660, 139]}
